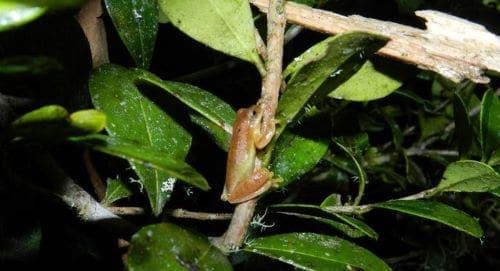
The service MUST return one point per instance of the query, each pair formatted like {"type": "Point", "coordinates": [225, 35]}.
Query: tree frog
{"type": "Point", "coordinates": [242, 181]}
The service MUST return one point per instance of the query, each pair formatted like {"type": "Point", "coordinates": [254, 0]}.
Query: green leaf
{"type": "Point", "coordinates": [220, 136]}
{"type": "Point", "coordinates": [226, 26]}
{"type": "Point", "coordinates": [206, 104]}
{"type": "Point", "coordinates": [137, 24]}
{"type": "Point", "coordinates": [91, 121]}
{"type": "Point", "coordinates": [366, 85]}
{"type": "Point", "coordinates": [29, 65]}
{"type": "Point", "coordinates": [48, 113]}
{"type": "Point", "coordinates": [344, 228]}
{"type": "Point", "coordinates": [171, 248]}
{"type": "Point", "coordinates": [469, 176]}
{"type": "Point", "coordinates": [436, 211]}
{"type": "Point", "coordinates": [463, 127]}
{"type": "Point", "coordinates": [14, 14]}
{"type": "Point", "coordinates": [146, 157]}
{"type": "Point", "coordinates": [295, 155]}
{"type": "Point", "coordinates": [115, 190]}
{"type": "Point", "coordinates": [53, 4]}
{"type": "Point", "coordinates": [362, 177]}
{"type": "Point", "coordinates": [312, 251]}
{"type": "Point", "coordinates": [312, 79]}
{"type": "Point", "coordinates": [489, 124]}
{"type": "Point", "coordinates": [354, 226]}
{"type": "Point", "coordinates": [134, 117]}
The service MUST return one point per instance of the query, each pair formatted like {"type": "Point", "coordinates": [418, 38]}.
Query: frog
{"type": "Point", "coordinates": [245, 178]}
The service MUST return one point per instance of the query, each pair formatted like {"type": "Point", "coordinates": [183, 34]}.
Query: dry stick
{"type": "Point", "coordinates": [243, 213]}
{"type": "Point", "coordinates": [182, 213]}
{"type": "Point", "coordinates": [95, 179]}
{"type": "Point", "coordinates": [126, 210]}
{"type": "Point", "coordinates": [77, 198]}
{"type": "Point", "coordinates": [451, 46]}
{"type": "Point", "coordinates": [90, 20]}
{"type": "Point", "coordinates": [268, 102]}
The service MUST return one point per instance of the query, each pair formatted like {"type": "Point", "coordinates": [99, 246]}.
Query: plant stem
{"type": "Point", "coordinates": [361, 209]}
{"type": "Point", "coordinates": [243, 213]}
{"type": "Point", "coordinates": [182, 213]}
{"type": "Point", "coordinates": [441, 48]}
{"type": "Point", "coordinates": [235, 233]}
{"type": "Point", "coordinates": [91, 21]}
{"type": "Point", "coordinates": [268, 102]}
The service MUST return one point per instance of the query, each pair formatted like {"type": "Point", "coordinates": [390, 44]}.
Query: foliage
{"type": "Point", "coordinates": [381, 166]}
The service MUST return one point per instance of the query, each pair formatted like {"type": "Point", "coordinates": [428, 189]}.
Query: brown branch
{"type": "Point", "coordinates": [243, 213]}
{"type": "Point", "coordinates": [235, 233]}
{"type": "Point", "coordinates": [95, 179]}
{"type": "Point", "coordinates": [126, 210]}
{"type": "Point", "coordinates": [453, 47]}
{"type": "Point", "coordinates": [181, 213]}
{"type": "Point", "coordinates": [90, 20]}
{"type": "Point", "coordinates": [276, 21]}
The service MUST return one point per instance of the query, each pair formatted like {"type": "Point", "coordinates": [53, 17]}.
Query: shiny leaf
{"type": "Point", "coordinates": [311, 251]}
{"type": "Point", "coordinates": [351, 226]}
{"type": "Point", "coordinates": [48, 113]}
{"type": "Point", "coordinates": [91, 121]}
{"type": "Point", "coordinates": [14, 14]}
{"type": "Point", "coordinates": [295, 155]}
{"type": "Point", "coordinates": [206, 104]}
{"type": "Point", "coordinates": [226, 26]}
{"type": "Point", "coordinates": [146, 157]}
{"type": "Point", "coordinates": [438, 212]}
{"type": "Point", "coordinates": [171, 248]}
{"type": "Point", "coordinates": [134, 117]}
{"type": "Point", "coordinates": [469, 176]}
{"type": "Point", "coordinates": [137, 24]}
{"type": "Point", "coordinates": [366, 85]}
{"type": "Point", "coordinates": [312, 80]}
{"type": "Point", "coordinates": [115, 190]}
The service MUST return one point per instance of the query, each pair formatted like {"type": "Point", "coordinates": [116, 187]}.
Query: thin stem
{"type": "Point", "coordinates": [238, 227]}
{"type": "Point", "coordinates": [361, 209]}
{"type": "Point", "coordinates": [268, 103]}
{"type": "Point", "coordinates": [276, 21]}
{"type": "Point", "coordinates": [91, 20]}
{"type": "Point", "coordinates": [126, 210]}
{"type": "Point", "coordinates": [182, 213]}
{"type": "Point", "coordinates": [95, 179]}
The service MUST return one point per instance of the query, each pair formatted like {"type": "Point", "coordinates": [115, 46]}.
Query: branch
{"type": "Point", "coordinates": [181, 213]}
{"type": "Point", "coordinates": [453, 47]}
{"type": "Point", "coordinates": [268, 102]}
{"type": "Point", "coordinates": [76, 197]}
{"type": "Point", "coordinates": [90, 20]}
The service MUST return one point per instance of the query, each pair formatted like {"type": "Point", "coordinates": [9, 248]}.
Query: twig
{"type": "Point", "coordinates": [276, 21]}
{"type": "Point", "coordinates": [420, 152]}
{"type": "Point", "coordinates": [243, 213]}
{"type": "Point", "coordinates": [92, 24]}
{"type": "Point", "coordinates": [361, 209]}
{"type": "Point", "coordinates": [76, 197]}
{"type": "Point", "coordinates": [451, 46]}
{"type": "Point", "coordinates": [235, 233]}
{"type": "Point", "coordinates": [126, 210]}
{"type": "Point", "coordinates": [95, 179]}
{"type": "Point", "coordinates": [181, 213]}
